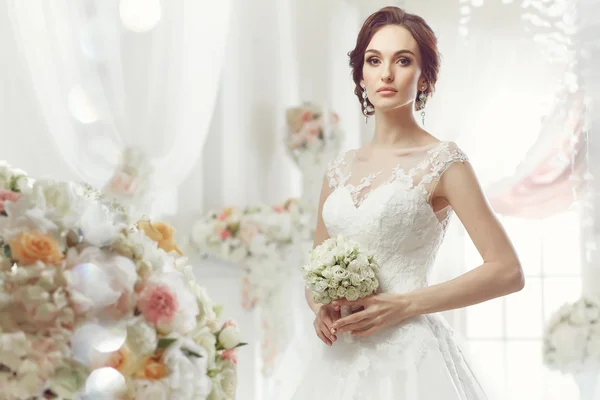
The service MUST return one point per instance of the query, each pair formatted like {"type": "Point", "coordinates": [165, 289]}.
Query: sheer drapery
{"type": "Point", "coordinates": [102, 87]}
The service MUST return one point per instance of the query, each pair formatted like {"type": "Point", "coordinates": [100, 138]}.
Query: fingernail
{"type": "Point", "coordinates": [333, 331]}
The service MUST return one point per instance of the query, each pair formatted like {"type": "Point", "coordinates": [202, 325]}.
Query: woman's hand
{"type": "Point", "coordinates": [380, 311]}
{"type": "Point", "coordinates": [325, 317]}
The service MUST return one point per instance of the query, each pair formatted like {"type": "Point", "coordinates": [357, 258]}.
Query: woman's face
{"type": "Point", "coordinates": [391, 69]}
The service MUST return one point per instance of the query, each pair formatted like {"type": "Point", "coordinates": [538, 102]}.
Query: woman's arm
{"type": "Point", "coordinates": [320, 236]}
{"type": "Point", "coordinates": [499, 275]}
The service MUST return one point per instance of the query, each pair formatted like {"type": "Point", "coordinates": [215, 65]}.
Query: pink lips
{"type": "Point", "coordinates": [386, 91]}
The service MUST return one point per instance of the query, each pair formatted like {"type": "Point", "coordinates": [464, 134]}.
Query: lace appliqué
{"type": "Point", "coordinates": [334, 173]}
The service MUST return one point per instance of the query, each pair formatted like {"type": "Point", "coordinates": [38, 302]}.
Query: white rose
{"type": "Point", "coordinates": [354, 266]}
{"type": "Point", "coordinates": [230, 337]}
{"type": "Point", "coordinates": [332, 283]}
{"type": "Point", "coordinates": [332, 292]}
{"type": "Point", "coordinates": [593, 348]}
{"type": "Point", "coordinates": [229, 382]}
{"type": "Point", "coordinates": [327, 273]}
{"type": "Point", "coordinates": [148, 390]}
{"type": "Point", "coordinates": [352, 293]}
{"type": "Point", "coordinates": [60, 196]}
{"type": "Point", "coordinates": [355, 279]}
{"type": "Point", "coordinates": [205, 338]}
{"type": "Point", "coordinates": [570, 343]}
{"type": "Point", "coordinates": [340, 273]}
{"type": "Point", "coordinates": [577, 316]}
{"type": "Point", "coordinates": [321, 287]}
{"type": "Point", "coordinates": [592, 314]}
{"type": "Point", "coordinates": [341, 292]}
{"type": "Point", "coordinates": [366, 272]}
{"type": "Point", "coordinates": [328, 259]}
{"type": "Point", "coordinates": [142, 337]}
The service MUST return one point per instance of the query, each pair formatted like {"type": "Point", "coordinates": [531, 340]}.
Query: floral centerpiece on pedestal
{"type": "Point", "coordinates": [130, 183]}
{"type": "Point", "coordinates": [572, 343]}
{"type": "Point", "coordinates": [90, 305]}
{"type": "Point", "coordinates": [260, 239]}
{"type": "Point", "coordinates": [313, 138]}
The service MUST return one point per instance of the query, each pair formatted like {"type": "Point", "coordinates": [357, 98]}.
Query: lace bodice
{"type": "Point", "coordinates": [383, 201]}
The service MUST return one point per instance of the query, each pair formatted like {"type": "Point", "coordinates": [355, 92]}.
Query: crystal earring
{"type": "Point", "coordinates": [422, 98]}
{"type": "Point", "coordinates": [365, 104]}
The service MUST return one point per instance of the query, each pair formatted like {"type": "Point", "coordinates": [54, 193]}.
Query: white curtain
{"type": "Point", "coordinates": [112, 74]}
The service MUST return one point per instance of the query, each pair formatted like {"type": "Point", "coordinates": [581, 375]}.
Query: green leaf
{"type": "Point", "coordinates": [213, 372]}
{"type": "Point", "coordinates": [165, 342]}
{"type": "Point", "coordinates": [240, 345]}
{"type": "Point", "coordinates": [7, 252]}
{"type": "Point", "coordinates": [189, 353]}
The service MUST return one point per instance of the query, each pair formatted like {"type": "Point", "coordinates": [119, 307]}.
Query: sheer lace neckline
{"type": "Point", "coordinates": [408, 170]}
{"type": "Point", "coordinates": [397, 151]}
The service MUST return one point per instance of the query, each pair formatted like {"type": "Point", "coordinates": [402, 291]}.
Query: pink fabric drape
{"type": "Point", "coordinates": [546, 181]}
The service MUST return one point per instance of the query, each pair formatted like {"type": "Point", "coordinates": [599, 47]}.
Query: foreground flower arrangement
{"type": "Point", "coordinates": [572, 337]}
{"type": "Point", "coordinates": [93, 305]}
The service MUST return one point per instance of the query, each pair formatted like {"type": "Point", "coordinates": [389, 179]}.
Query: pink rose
{"type": "Point", "coordinates": [8, 195]}
{"type": "Point", "coordinates": [279, 209]}
{"type": "Point", "coordinates": [230, 323]}
{"type": "Point", "coordinates": [306, 116]}
{"type": "Point", "coordinates": [335, 118]}
{"type": "Point", "coordinates": [157, 304]}
{"type": "Point", "coordinates": [230, 355]}
{"type": "Point", "coordinates": [224, 234]}
{"type": "Point", "coordinates": [124, 183]}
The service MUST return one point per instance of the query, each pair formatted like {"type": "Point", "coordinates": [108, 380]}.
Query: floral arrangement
{"type": "Point", "coordinates": [289, 222]}
{"type": "Point", "coordinates": [92, 305]}
{"type": "Point", "coordinates": [339, 268]}
{"type": "Point", "coordinates": [309, 131]}
{"type": "Point", "coordinates": [12, 182]}
{"type": "Point", "coordinates": [130, 183]}
{"type": "Point", "coordinates": [260, 239]}
{"type": "Point", "coordinates": [572, 336]}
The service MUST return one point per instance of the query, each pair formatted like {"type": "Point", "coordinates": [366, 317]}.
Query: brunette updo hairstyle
{"type": "Point", "coordinates": [419, 29]}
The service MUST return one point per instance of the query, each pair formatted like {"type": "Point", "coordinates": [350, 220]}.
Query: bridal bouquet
{"type": "Point", "coordinates": [572, 336]}
{"type": "Point", "coordinates": [93, 306]}
{"type": "Point", "coordinates": [338, 269]}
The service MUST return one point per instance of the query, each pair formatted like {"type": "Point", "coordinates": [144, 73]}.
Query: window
{"type": "Point", "coordinates": [505, 335]}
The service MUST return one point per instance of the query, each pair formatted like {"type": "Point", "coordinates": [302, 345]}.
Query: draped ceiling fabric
{"type": "Point", "coordinates": [113, 74]}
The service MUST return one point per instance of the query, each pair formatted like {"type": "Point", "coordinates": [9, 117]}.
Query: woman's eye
{"type": "Point", "coordinates": [404, 61]}
{"type": "Point", "coordinates": [373, 61]}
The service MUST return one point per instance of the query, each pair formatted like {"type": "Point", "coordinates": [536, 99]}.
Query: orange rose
{"type": "Point", "coordinates": [29, 247]}
{"type": "Point", "coordinates": [162, 233]}
{"type": "Point", "coordinates": [152, 369]}
{"type": "Point", "coordinates": [123, 360]}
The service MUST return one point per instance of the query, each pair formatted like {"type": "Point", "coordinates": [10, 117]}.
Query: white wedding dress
{"type": "Point", "coordinates": [384, 204]}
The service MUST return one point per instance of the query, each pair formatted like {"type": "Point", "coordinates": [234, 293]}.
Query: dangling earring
{"type": "Point", "coordinates": [365, 104]}
{"type": "Point", "coordinates": [422, 98]}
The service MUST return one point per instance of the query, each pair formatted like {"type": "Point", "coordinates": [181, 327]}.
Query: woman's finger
{"type": "Point", "coordinates": [360, 325]}
{"type": "Point", "coordinates": [322, 337]}
{"type": "Point", "coordinates": [327, 331]}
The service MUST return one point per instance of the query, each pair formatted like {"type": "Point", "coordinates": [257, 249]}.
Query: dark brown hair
{"type": "Point", "coordinates": [419, 29]}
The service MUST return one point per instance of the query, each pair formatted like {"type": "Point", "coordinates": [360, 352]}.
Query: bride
{"type": "Point", "coordinates": [394, 196]}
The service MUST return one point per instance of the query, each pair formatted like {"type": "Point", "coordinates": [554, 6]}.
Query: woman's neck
{"type": "Point", "coordinates": [398, 128]}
